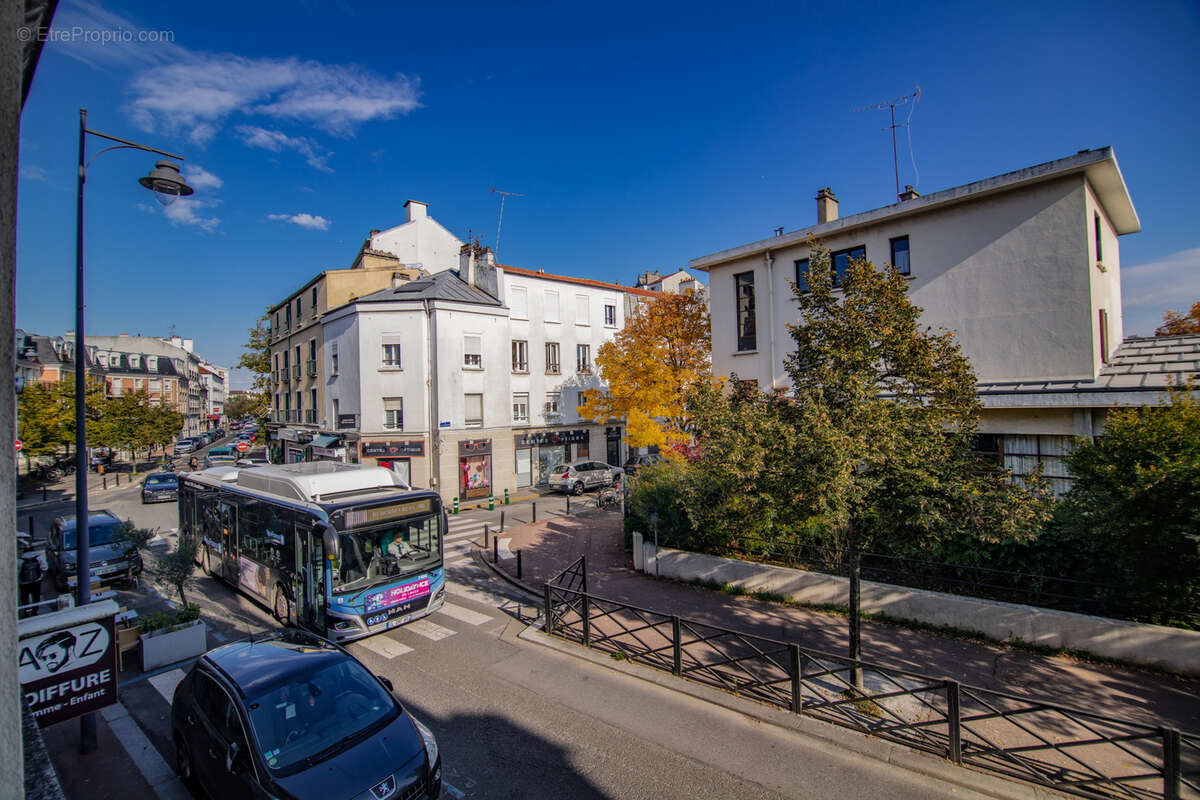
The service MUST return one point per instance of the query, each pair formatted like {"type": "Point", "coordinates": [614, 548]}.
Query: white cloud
{"type": "Point", "coordinates": [201, 179]}
{"type": "Point", "coordinates": [310, 221]}
{"type": "Point", "coordinates": [99, 38]}
{"type": "Point", "coordinates": [278, 141]}
{"type": "Point", "coordinates": [33, 173]}
{"type": "Point", "coordinates": [1147, 290]}
{"type": "Point", "coordinates": [184, 212]}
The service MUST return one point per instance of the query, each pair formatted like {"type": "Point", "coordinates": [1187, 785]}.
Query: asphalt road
{"type": "Point", "coordinates": [517, 720]}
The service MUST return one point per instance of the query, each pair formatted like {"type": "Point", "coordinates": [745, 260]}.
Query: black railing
{"type": "Point", "coordinates": [1053, 745]}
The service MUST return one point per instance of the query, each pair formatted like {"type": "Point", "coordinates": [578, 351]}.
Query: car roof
{"type": "Point", "coordinates": [170, 475]}
{"type": "Point", "coordinates": [99, 518]}
{"type": "Point", "coordinates": [255, 665]}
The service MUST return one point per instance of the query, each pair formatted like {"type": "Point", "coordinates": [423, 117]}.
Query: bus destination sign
{"type": "Point", "coordinates": [370, 516]}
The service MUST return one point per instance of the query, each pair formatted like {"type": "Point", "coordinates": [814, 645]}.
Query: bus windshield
{"type": "Point", "coordinates": [383, 553]}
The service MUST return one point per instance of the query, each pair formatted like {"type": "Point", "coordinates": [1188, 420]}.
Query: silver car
{"type": "Point", "coordinates": [580, 475]}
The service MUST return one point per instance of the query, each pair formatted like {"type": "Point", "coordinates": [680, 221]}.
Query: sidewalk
{"type": "Point", "coordinates": [1125, 693]}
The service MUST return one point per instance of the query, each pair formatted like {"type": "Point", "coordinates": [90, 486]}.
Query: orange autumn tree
{"type": "Point", "coordinates": [663, 349]}
{"type": "Point", "coordinates": [1175, 323]}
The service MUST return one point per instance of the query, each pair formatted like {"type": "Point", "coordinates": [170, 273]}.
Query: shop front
{"type": "Point", "coordinates": [548, 450]}
{"type": "Point", "coordinates": [396, 456]}
{"type": "Point", "coordinates": [612, 448]}
{"type": "Point", "coordinates": [474, 468]}
{"type": "Point", "coordinates": [327, 447]}
{"type": "Point", "coordinates": [293, 444]}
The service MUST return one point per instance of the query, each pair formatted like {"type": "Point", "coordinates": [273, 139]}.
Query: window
{"type": "Point", "coordinates": [314, 301]}
{"type": "Point", "coordinates": [391, 355]}
{"type": "Point", "coordinates": [841, 261]}
{"type": "Point", "coordinates": [335, 412]}
{"type": "Point", "coordinates": [553, 400]}
{"type": "Point", "coordinates": [297, 359]}
{"type": "Point", "coordinates": [900, 255]}
{"type": "Point", "coordinates": [583, 358]}
{"type": "Point", "coordinates": [393, 413]}
{"type": "Point", "coordinates": [581, 310]}
{"type": "Point", "coordinates": [744, 291]}
{"type": "Point", "coordinates": [1099, 252]}
{"type": "Point", "coordinates": [552, 367]}
{"type": "Point", "coordinates": [518, 302]}
{"type": "Point", "coordinates": [287, 317]}
{"type": "Point", "coordinates": [312, 405]}
{"type": "Point", "coordinates": [473, 351]}
{"type": "Point", "coordinates": [333, 359]}
{"type": "Point", "coordinates": [610, 316]}
{"type": "Point", "coordinates": [299, 310]}
{"type": "Point", "coordinates": [276, 326]}
{"type": "Point", "coordinates": [521, 407]}
{"type": "Point", "coordinates": [550, 303]}
{"type": "Point", "coordinates": [520, 356]}
{"type": "Point", "coordinates": [473, 410]}
{"type": "Point", "coordinates": [802, 274]}
{"type": "Point", "coordinates": [299, 405]}
{"type": "Point", "coordinates": [1103, 336]}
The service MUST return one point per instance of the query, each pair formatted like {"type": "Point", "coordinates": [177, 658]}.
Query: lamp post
{"type": "Point", "coordinates": [167, 184]}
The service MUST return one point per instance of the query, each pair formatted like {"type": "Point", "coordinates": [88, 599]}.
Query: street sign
{"type": "Point", "coordinates": [242, 447]}
{"type": "Point", "coordinates": [17, 445]}
{"type": "Point", "coordinates": [67, 662]}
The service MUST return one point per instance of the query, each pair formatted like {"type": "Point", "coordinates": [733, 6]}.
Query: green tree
{"type": "Point", "coordinates": [886, 411]}
{"type": "Point", "coordinates": [41, 420]}
{"type": "Point", "coordinates": [241, 407]}
{"type": "Point", "coordinates": [176, 567]}
{"type": "Point", "coordinates": [1135, 505]}
{"type": "Point", "coordinates": [256, 358]}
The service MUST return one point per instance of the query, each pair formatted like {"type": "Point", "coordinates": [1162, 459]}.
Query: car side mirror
{"type": "Point", "coordinates": [231, 756]}
{"type": "Point", "coordinates": [386, 682]}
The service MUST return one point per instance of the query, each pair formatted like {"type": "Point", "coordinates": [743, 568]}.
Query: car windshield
{"type": "Point", "coordinates": [98, 534]}
{"type": "Point", "coordinates": [311, 716]}
{"type": "Point", "coordinates": [385, 552]}
{"type": "Point", "coordinates": [160, 480]}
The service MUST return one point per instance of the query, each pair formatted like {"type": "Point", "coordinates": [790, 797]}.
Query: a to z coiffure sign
{"type": "Point", "coordinates": [70, 670]}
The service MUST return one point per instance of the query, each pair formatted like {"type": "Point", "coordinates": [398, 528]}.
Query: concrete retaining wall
{"type": "Point", "coordinates": [1153, 645]}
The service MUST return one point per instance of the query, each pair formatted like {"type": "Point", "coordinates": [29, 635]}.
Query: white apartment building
{"type": "Point", "coordinates": [215, 383]}
{"type": "Point", "coordinates": [468, 381]}
{"type": "Point", "coordinates": [1024, 267]}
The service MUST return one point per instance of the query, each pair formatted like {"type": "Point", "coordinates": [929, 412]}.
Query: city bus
{"type": "Point", "coordinates": [343, 550]}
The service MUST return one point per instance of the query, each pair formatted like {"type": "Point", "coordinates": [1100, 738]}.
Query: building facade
{"type": "Point", "coordinates": [1023, 267]}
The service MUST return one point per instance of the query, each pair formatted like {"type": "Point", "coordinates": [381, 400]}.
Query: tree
{"type": "Point", "coordinates": [176, 567]}
{"type": "Point", "coordinates": [1135, 504]}
{"type": "Point", "coordinates": [1175, 324]}
{"type": "Point", "coordinates": [886, 411]}
{"type": "Point", "coordinates": [257, 359]}
{"type": "Point", "coordinates": [663, 349]}
{"type": "Point", "coordinates": [241, 407]}
{"type": "Point", "coordinates": [41, 420]}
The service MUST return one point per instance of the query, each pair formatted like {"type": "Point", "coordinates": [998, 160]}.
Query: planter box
{"type": "Point", "coordinates": [163, 647]}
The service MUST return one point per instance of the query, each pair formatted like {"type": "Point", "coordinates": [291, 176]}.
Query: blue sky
{"type": "Point", "coordinates": [641, 135]}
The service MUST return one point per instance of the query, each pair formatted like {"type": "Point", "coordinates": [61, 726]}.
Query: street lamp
{"type": "Point", "coordinates": [167, 184]}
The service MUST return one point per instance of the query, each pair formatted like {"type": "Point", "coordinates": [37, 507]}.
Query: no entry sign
{"type": "Point", "coordinates": [242, 447]}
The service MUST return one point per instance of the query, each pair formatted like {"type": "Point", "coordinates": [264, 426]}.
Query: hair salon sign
{"type": "Point", "coordinates": [70, 670]}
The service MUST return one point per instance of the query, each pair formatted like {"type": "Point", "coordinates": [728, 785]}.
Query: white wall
{"type": "Point", "coordinates": [421, 241]}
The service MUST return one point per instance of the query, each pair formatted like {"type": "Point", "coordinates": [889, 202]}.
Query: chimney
{"type": "Point", "coordinates": [827, 206]}
{"type": "Point", "coordinates": [466, 264]}
{"type": "Point", "coordinates": [416, 210]}
{"type": "Point", "coordinates": [909, 193]}
{"type": "Point", "coordinates": [374, 232]}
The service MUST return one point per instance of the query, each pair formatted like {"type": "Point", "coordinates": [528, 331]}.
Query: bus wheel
{"type": "Point", "coordinates": [283, 611]}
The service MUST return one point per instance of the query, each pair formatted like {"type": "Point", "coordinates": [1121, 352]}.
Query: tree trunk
{"type": "Point", "coordinates": [855, 621]}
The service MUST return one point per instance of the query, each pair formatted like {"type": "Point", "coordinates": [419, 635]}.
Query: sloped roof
{"type": "Point", "coordinates": [1146, 364]}
{"type": "Point", "coordinates": [445, 285]}
{"type": "Point", "coordinates": [530, 273]}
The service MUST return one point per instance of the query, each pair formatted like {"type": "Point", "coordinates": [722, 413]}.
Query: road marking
{"type": "Point", "coordinates": [383, 646]}
{"type": "Point", "coordinates": [166, 682]}
{"type": "Point", "coordinates": [455, 537]}
{"type": "Point", "coordinates": [457, 794]}
{"type": "Point", "coordinates": [505, 553]}
{"type": "Point", "coordinates": [220, 637]}
{"type": "Point", "coordinates": [430, 630]}
{"type": "Point", "coordinates": [483, 598]}
{"type": "Point", "coordinates": [464, 614]}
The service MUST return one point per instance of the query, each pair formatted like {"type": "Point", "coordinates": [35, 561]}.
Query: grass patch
{"type": "Point", "coordinates": [863, 703]}
{"type": "Point", "coordinates": [618, 655]}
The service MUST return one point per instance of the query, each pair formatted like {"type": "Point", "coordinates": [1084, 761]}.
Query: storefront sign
{"type": "Point", "coordinates": [347, 422]}
{"type": "Point", "coordinates": [329, 452]}
{"type": "Point", "coordinates": [552, 438]}
{"type": "Point", "coordinates": [475, 447]}
{"type": "Point", "coordinates": [69, 671]}
{"type": "Point", "coordinates": [612, 433]}
{"type": "Point", "coordinates": [393, 449]}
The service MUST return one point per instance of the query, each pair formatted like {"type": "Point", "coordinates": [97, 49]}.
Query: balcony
{"type": "Point", "coordinates": [297, 372]}
{"type": "Point", "coordinates": [312, 368]}
{"type": "Point", "coordinates": [310, 416]}
{"type": "Point", "coordinates": [283, 375]}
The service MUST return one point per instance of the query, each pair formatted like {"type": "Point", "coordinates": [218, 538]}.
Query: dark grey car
{"type": "Point", "coordinates": [110, 558]}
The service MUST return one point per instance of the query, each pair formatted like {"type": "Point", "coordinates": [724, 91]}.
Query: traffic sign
{"type": "Point", "coordinates": [242, 447]}
{"type": "Point", "coordinates": [17, 445]}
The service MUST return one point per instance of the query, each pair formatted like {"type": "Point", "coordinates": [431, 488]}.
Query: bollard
{"type": "Point", "coordinates": [506, 497]}
{"type": "Point", "coordinates": [518, 565]}
{"type": "Point", "coordinates": [104, 480]}
{"type": "Point", "coordinates": [496, 551]}
{"type": "Point", "coordinates": [455, 511]}
{"type": "Point", "coordinates": [31, 527]}
{"type": "Point", "coordinates": [568, 505]}
{"type": "Point", "coordinates": [486, 531]}
{"type": "Point", "coordinates": [43, 494]}
{"type": "Point", "coordinates": [501, 522]}
{"type": "Point", "coordinates": [534, 511]}
{"type": "Point", "coordinates": [118, 478]}
{"type": "Point", "coordinates": [491, 502]}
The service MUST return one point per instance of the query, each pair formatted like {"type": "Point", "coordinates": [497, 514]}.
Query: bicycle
{"type": "Point", "coordinates": [608, 498]}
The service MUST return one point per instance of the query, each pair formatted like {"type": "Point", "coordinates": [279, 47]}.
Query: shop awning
{"type": "Point", "coordinates": [325, 440]}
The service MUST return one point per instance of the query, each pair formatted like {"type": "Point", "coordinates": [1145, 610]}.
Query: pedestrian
{"type": "Point", "coordinates": [29, 577]}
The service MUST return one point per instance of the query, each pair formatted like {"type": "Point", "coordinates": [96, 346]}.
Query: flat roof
{"type": "Point", "coordinates": [1098, 166]}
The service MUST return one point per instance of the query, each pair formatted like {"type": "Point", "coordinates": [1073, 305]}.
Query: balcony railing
{"type": "Point", "coordinates": [283, 375]}
{"type": "Point", "coordinates": [297, 372]}
{"type": "Point", "coordinates": [312, 368]}
{"type": "Point", "coordinates": [310, 416]}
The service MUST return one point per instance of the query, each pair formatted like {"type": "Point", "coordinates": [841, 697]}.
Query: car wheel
{"type": "Point", "coordinates": [577, 489]}
{"type": "Point", "coordinates": [183, 761]}
{"type": "Point", "coordinates": [282, 608]}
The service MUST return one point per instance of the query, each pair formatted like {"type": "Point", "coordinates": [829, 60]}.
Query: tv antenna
{"type": "Point", "coordinates": [891, 107]}
{"type": "Point", "coordinates": [503, 196]}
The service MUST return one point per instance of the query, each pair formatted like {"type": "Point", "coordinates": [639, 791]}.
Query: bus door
{"type": "Point", "coordinates": [310, 574]}
{"type": "Point", "coordinates": [227, 529]}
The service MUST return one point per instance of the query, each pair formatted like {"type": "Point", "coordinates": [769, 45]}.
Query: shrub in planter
{"type": "Point", "coordinates": [172, 637]}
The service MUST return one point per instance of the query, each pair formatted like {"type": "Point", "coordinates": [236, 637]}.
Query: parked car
{"type": "Point", "coordinates": [160, 487]}
{"type": "Point", "coordinates": [110, 559]}
{"type": "Point", "coordinates": [580, 475]}
{"type": "Point", "coordinates": [637, 462]}
{"type": "Point", "coordinates": [185, 445]}
{"type": "Point", "coordinates": [290, 714]}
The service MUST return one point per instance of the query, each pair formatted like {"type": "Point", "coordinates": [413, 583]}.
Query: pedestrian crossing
{"type": "Point", "coordinates": [461, 540]}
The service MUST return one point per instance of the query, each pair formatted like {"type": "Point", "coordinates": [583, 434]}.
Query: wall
{"type": "Point", "coordinates": [1105, 275]}
{"type": "Point", "coordinates": [422, 241]}
{"type": "Point", "coordinates": [1152, 645]}
{"type": "Point", "coordinates": [1007, 272]}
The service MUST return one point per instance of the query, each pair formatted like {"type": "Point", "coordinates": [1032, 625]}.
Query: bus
{"type": "Point", "coordinates": [343, 550]}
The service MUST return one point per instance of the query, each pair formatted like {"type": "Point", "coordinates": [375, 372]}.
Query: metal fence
{"type": "Point", "coordinates": [1054, 745]}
